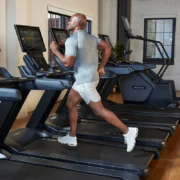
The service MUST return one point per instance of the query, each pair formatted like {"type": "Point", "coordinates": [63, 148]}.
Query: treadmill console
{"type": "Point", "coordinates": [38, 60]}
{"type": "Point", "coordinates": [32, 43]}
{"type": "Point", "coordinates": [60, 36]}
{"type": "Point", "coordinates": [106, 39]}
{"type": "Point", "coordinates": [127, 27]}
{"type": "Point", "coordinates": [112, 60]}
{"type": "Point", "coordinates": [30, 38]}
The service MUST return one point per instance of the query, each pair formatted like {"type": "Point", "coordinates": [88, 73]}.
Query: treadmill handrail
{"type": "Point", "coordinates": [7, 94]}
{"type": "Point", "coordinates": [119, 70]}
{"type": "Point", "coordinates": [25, 72]}
{"type": "Point", "coordinates": [166, 62]}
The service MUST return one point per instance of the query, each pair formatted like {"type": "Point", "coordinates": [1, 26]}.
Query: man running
{"type": "Point", "coordinates": [81, 53]}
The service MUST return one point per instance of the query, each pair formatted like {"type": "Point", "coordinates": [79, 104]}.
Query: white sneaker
{"type": "Point", "coordinates": [71, 141]}
{"type": "Point", "coordinates": [130, 138]}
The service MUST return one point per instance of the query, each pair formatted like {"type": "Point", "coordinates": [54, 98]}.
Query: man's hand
{"type": "Point", "coordinates": [101, 72]}
{"type": "Point", "coordinates": [61, 43]}
{"type": "Point", "coordinates": [53, 46]}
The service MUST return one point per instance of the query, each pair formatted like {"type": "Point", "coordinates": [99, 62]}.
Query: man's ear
{"type": "Point", "coordinates": [77, 23]}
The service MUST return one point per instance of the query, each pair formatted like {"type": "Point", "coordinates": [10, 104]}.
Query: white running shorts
{"type": "Point", "coordinates": [87, 91]}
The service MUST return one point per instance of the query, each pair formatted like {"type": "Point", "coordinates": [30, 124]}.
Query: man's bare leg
{"type": "Point", "coordinates": [73, 100]}
{"type": "Point", "coordinates": [107, 115]}
{"type": "Point", "coordinates": [130, 134]}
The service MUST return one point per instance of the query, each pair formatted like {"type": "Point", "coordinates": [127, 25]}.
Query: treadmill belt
{"type": "Point", "coordinates": [134, 109]}
{"type": "Point", "coordinates": [109, 130]}
{"type": "Point", "coordinates": [149, 119]}
{"type": "Point", "coordinates": [91, 154]}
{"type": "Point", "coordinates": [146, 136]}
{"type": "Point", "coordinates": [86, 113]}
{"type": "Point", "coordinates": [149, 110]}
{"type": "Point", "coordinates": [20, 171]}
{"type": "Point", "coordinates": [136, 119]}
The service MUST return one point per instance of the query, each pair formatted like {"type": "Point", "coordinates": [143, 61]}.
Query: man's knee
{"type": "Point", "coordinates": [70, 104]}
{"type": "Point", "coordinates": [73, 99]}
{"type": "Point", "coordinates": [99, 112]}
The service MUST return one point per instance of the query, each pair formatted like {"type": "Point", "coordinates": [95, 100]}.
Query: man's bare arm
{"type": "Point", "coordinates": [68, 61]}
{"type": "Point", "coordinates": [106, 52]}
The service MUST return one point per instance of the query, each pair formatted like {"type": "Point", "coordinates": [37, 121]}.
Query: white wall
{"type": "Point", "coordinates": [35, 13]}
{"type": "Point", "coordinates": [108, 19]}
{"type": "Point", "coordinates": [17, 13]}
{"type": "Point", "coordinates": [156, 9]}
{"type": "Point", "coordinates": [3, 33]}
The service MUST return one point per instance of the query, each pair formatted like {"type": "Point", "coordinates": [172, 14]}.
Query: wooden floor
{"type": "Point", "coordinates": [168, 165]}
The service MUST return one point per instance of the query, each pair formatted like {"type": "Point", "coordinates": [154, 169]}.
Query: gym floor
{"type": "Point", "coordinates": [168, 165]}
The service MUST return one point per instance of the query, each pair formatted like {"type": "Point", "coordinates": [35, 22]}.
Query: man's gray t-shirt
{"type": "Point", "coordinates": [84, 47]}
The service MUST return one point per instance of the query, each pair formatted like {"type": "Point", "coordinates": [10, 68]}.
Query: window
{"type": "Point", "coordinates": [59, 21]}
{"type": "Point", "coordinates": [163, 30]}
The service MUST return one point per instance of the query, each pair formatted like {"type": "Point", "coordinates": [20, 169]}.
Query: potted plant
{"type": "Point", "coordinates": [118, 51]}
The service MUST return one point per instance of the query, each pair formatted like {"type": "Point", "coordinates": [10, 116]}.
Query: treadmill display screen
{"type": "Point", "coordinates": [59, 35]}
{"type": "Point", "coordinates": [126, 25]}
{"type": "Point", "coordinates": [105, 38]}
{"type": "Point", "coordinates": [30, 38]}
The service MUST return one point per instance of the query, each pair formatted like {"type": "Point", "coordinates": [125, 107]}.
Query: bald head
{"type": "Point", "coordinates": [77, 21]}
{"type": "Point", "coordinates": [80, 19]}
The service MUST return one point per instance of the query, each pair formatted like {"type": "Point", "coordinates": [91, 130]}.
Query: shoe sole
{"type": "Point", "coordinates": [136, 133]}
{"type": "Point", "coordinates": [72, 145]}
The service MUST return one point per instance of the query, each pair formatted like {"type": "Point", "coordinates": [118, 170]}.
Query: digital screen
{"type": "Point", "coordinates": [60, 35]}
{"type": "Point", "coordinates": [105, 38]}
{"type": "Point", "coordinates": [30, 38]}
{"type": "Point", "coordinates": [108, 40]}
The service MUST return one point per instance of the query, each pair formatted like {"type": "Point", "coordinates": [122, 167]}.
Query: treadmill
{"type": "Point", "coordinates": [40, 144]}
{"type": "Point", "coordinates": [145, 87]}
{"type": "Point", "coordinates": [15, 167]}
{"type": "Point", "coordinates": [163, 93]}
{"type": "Point", "coordinates": [88, 129]}
{"type": "Point", "coordinates": [149, 135]}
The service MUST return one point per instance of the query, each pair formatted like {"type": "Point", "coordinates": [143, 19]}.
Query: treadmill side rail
{"type": "Point", "coordinates": [4, 154]}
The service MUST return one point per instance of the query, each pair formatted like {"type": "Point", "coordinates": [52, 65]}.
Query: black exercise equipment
{"type": "Point", "coordinates": [31, 142]}
{"type": "Point", "coordinates": [57, 170]}
{"type": "Point", "coordinates": [56, 122]}
{"type": "Point", "coordinates": [16, 167]}
{"type": "Point", "coordinates": [41, 145]}
{"type": "Point", "coordinates": [39, 116]}
{"type": "Point", "coordinates": [146, 87]}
